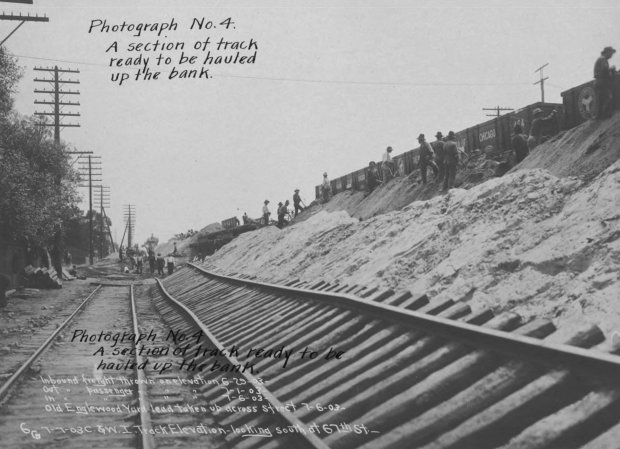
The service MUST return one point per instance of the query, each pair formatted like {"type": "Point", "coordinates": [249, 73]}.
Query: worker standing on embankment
{"type": "Point", "coordinates": [603, 83]}
{"type": "Point", "coordinates": [386, 165]}
{"type": "Point", "coordinates": [266, 212]}
{"type": "Point", "coordinates": [438, 148]}
{"type": "Point", "coordinates": [519, 144]}
{"type": "Point", "coordinates": [427, 158]}
{"type": "Point", "coordinates": [452, 160]}
{"type": "Point", "coordinates": [297, 202]}
{"type": "Point", "coordinates": [537, 126]}
{"type": "Point", "coordinates": [326, 188]}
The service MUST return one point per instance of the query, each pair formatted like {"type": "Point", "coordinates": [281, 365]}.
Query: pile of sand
{"type": "Point", "coordinates": [544, 240]}
{"type": "Point", "coordinates": [529, 242]}
{"type": "Point", "coordinates": [583, 151]}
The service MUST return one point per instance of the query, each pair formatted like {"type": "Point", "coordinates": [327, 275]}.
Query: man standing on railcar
{"type": "Point", "coordinates": [439, 155]}
{"type": "Point", "coordinates": [603, 83]}
{"type": "Point", "coordinates": [427, 156]}
{"type": "Point", "coordinates": [451, 159]}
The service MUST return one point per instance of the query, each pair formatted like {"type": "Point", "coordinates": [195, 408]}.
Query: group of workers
{"type": "Point", "coordinates": [283, 211]}
{"type": "Point", "coordinates": [443, 155]}
{"type": "Point", "coordinates": [135, 260]}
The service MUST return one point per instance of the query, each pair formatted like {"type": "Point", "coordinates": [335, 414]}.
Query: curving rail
{"type": "Point", "coordinates": [416, 373]}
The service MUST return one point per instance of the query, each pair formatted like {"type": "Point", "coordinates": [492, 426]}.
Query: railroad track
{"type": "Point", "coordinates": [403, 371]}
{"type": "Point", "coordinates": [60, 397]}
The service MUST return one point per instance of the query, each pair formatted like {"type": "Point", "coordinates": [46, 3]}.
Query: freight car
{"type": "Point", "coordinates": [230, 223]}
{"type": "Point", "coordinates": [207, 244]}
{"type": "Point", "coordinates": [494, 136]}
{"type": "Point", "coordinates": [580, 103]}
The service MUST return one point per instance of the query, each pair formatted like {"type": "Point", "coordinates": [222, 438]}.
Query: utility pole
{"type": "Point", "coordinates": [103, 202]}
{"type": "Point", "coordinates": [541, 81]}
{"type": "Point", "coordinates": [497, 110]}
{"type": "Point", "coordinates": [56, 92]}
{"type": "Point", "coordinates": [22, 19]}
{"type": "Point", "coordinates": [109, 230]}
{"type": "Point", "coordinates": [90, 169]}
{"type": "Point", "coordinates": [76, 153]}
{"type": "Point", "coordinates": [130, 221]}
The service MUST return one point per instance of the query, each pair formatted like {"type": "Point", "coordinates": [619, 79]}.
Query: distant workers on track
{"type": "Point", "coordinates": [170, 262]}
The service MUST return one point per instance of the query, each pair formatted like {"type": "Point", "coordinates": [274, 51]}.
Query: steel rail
{"type": "Point", "coordinates": [9, 383]}
{"type": "Point", "coordinates": [602, 365]}
{"type": "Point", "coordinates": [310, 438]}
{"type": "Point", "coordinates": [148, 442]}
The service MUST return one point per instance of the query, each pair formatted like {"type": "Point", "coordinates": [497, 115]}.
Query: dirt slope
{"type": "Point", "coordinates": [535, 241]}
{"type": "Point", "coordinates": [530, 242]}
{"type": "Point", "coordinates": [583, 151]}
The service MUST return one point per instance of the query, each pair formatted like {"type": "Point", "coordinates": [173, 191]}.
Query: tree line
{"type": "Point", "coordinates": [38, 186]}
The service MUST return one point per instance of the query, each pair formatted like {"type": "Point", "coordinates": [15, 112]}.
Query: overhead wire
{"type": "Point", "coordinates": [312, 81]}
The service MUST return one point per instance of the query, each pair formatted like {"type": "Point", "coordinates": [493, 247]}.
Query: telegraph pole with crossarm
{"type": "Point", "coordinates": [57, 93]}
{"type": "Point", "coordinates": [91, 167]}
{"type": "Point", "coordinates": [541, 81]}
{"type": "Point", "coordinates": [497, 110]}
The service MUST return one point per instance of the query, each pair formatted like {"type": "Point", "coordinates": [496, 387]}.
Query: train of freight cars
{"type": "Point", "coordinates": [494, 136]}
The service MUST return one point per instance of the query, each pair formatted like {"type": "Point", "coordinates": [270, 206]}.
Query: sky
{"type": "Point", "coordinates": [333, 84]}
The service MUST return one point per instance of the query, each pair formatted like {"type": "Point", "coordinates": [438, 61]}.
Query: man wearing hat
{"type": "Point", "coordinates": [372, 177]}
{"type": "Point", "coordinates": [297, 202]}
{"type": "Point", "coordinates": [266, 213]}
{"type": "Point", "coordinates": [451, 160]}
{"type": "Point", "coordinates": [326, 188]}
{"type": "Point", "coordinates": [386, 165]}
{"type": "Point", "coordinates": [603, 82]}
{"type": "Point", "coordinates": [439, 155]}
{"type": "Point", "coordinates": [427, 156]}
{"type": "Point", "coordinates": [519, 143]}
{"type": "Point", "coordinates": [538, 123]}
{"type": "Point", "coordinates": [282, 211]}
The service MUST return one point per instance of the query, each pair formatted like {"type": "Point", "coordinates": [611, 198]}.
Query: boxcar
{"type": "Point", "coordinates": [361, 179]}
{"type": "Point", "coordinates": [580, 102]}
